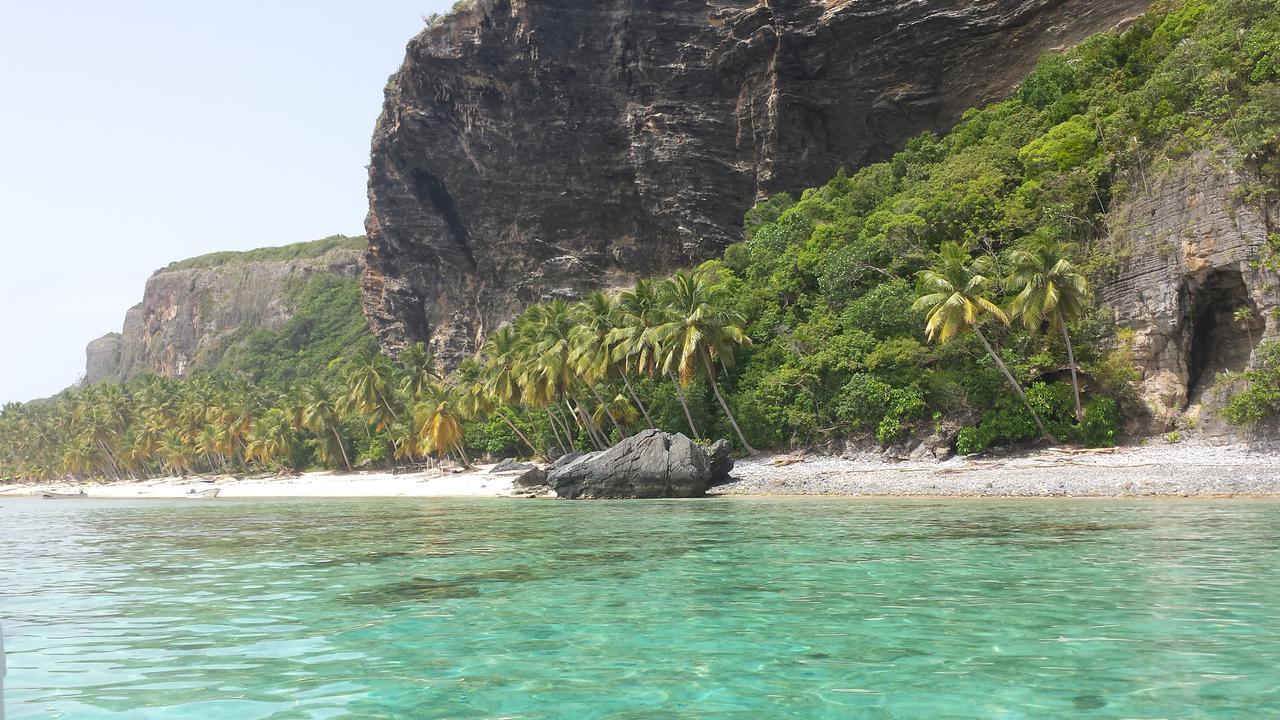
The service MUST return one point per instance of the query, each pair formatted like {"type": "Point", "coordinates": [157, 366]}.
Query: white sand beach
{"type": "Point", "coordinates": [431, 483]}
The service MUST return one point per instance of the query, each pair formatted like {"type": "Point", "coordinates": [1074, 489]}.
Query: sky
{"type": "Point", "coordinates": [134, 133]}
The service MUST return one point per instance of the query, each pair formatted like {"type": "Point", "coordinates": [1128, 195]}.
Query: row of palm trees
{"type": "Point", "coordinates": [215, 424]}
{"type": "Point", "coordinates": [576, 364]}
{"type": "Point", "coordinates": [1048, 293]}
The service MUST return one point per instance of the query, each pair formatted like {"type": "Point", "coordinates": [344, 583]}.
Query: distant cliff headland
{"type": "Point", "coordinates": [197, 311]}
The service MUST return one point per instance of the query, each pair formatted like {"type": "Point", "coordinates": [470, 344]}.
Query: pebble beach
{"type": "Point", "coordinates": [1145, 471]}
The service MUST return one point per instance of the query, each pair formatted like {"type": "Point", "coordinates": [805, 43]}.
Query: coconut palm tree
{"type": "Point", "coordinates": [1050, 291]}
{"type": "Point", "coordinates": [640, 310]}
{"type": "Point", "coordinates": [320, 415]}
{"type": "Point", "coordinates": [953, 296]}
{"type": "Point", "coordinates": [700, 334]}
{"type": "Point", "coordinates": [592, 351]}
{"type": "Point", "coordinates": [272, 439]}
{"type": "Point", "coordinates": [438, 422]}
{"type": "Point", "coordinates": [420, 371]}
{"type": "Point", "coordinates": [548, 369]}
{"type": "Point", "coordinates": [369, 377]}
{"type": "Point", "coordinates": [499, 377]}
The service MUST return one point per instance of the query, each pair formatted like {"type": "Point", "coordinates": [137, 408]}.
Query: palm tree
{"type": "Point", "coordinates": [548, 370]}
{"type": "Point", "coordinates": [369, 376]}
{"type": "Point", "coordinates": [1051, 291]}
{"type": "Point", "coordinates": [499, 376]}
{"type": "Point", "coordinates": [592, 351]}
{"type": "Point", "coordinates": [640, 310]}
{"type": "Point", "coordinates": [438, 422]}
{"type": "Point", "coordinates": [320, 415]}
{"type": "Point", "coordinates": [953, 294]}
{"type": "Point", "coordinates": [272, 440]}
{"type": "Point", "coordinates": [419, 371]}
{"type": "Point", "coordinates": [699, 334]}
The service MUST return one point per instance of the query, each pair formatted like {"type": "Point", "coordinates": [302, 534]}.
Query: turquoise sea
{"type": "Point", "coordinates": [721, 608]}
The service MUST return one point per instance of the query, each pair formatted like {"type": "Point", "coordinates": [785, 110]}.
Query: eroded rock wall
{"type": "Point", "coordinates": [1188, 282]}
{"type": "Point", "coordinates": [535, 148]}
{"type": "Point", "coordinates": [188, 314]}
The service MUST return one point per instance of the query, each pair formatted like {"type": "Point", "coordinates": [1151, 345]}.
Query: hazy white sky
{"type": "Point", "coordinates": [134, 133]}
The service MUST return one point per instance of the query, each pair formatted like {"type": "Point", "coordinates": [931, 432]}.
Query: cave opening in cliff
{"type": "Point", "coordinates": [1225, 328]}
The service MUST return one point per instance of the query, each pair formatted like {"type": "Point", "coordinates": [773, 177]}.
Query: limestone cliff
{"type": "Point", "coordinates": [190, 309]}
{"type": "Point", "coordinates": [1189, 243]}
{"type": "Point", "coordinates": [534, 148]}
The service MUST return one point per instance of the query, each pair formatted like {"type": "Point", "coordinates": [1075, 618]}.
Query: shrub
{"type": "Point", "coordinates": [1261, 397]}
{"type": "Point", "coordinates": [1101, 423]}
{"type": "Point", "coordinates": [863, 401]}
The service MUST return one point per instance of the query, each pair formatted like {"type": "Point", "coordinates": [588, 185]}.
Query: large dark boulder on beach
{"type": "Point", "coordinates": [721, 460]}
{"type": "Point", "coordinates": [650, 464]}
{"type": "Point", "coordinates": [531, 478]}
{"type": "Point", "coordinates": [510, 465]}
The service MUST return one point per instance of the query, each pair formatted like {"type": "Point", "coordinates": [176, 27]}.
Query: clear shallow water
{"type": "Point", "coordinates": [694, 609]}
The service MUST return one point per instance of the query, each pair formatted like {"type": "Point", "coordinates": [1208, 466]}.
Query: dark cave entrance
{"type": "Point", "coordinates": [1220, 342]}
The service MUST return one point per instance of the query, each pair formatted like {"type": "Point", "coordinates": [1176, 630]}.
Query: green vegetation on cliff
{"type": "Point", "coordinates": [298, 250]}
{"type": "Point", "coordinates": [943, 292]}
{"type": "Point", "coordinates": [327, 324]}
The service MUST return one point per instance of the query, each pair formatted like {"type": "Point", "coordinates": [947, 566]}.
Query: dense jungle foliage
{"type": "Point", "coordinates": [945, 292]}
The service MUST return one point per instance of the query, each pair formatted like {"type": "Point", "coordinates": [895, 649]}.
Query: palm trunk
{"type": "Point", "coordinates": [685, 405]}
{"type": "Point", "coordinates": [632, 392]}
{"type": "Point", "coordinates": [1075, 381]}
{"type": "Point", "coordinates": [584, 422]}
{"type": "Point", "coordinates": [568, 431]}
{"type": "Point", "coordinates": [715, 387]}
{"type": "Point", "coordinates": [607, 411]}
{"type": "Point", "coordinates": [343, 448]}
{"type": "Point", "coordinates": [1014, 384]}
{"type": "Point", "coordinates": [516, 430]}
{"type": "Point", "coordinates": [596, 431]}
{"type": "Point", "coordinates": [111, 460]}
{"type": "Point", "coordinates": [466, 461]}
{"type": "Point", "coordinates": [555, 430]}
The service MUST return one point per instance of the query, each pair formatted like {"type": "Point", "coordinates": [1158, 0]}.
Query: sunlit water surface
{"type": "Point", "coordinates": [752, 608]}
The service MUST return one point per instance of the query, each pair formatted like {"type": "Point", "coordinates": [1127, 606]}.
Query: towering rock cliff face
{"type": "Point", "coordinates": [1189, 283]}
{"type": "Point", "coordinates": [190, 310]}
{"type": "Point", "coordinates": [535, 148]}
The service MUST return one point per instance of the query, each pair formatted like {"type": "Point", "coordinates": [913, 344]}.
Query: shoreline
{"type": "Point", "coordinates": [1169, 471]}
{"type": "Point", "coordinates": [1151, 471]}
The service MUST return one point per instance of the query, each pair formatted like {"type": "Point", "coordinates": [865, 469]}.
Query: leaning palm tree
{"type": "Point", "coordinates": [369, 377]}
{"type": "Point", "coordinates": [591, 351]}
{"type": "Point", "coordinates": [953, 294]}
{"type": "Point", "coordinates": [438, 423]}
{"type": "Point", "coordinates": [499, 377]}
{"type": "Point", "coordinates": [548, 366]}
{"type": "Point", "coordinates": [320, 415]}
{"type": "Point", "coordinates": [272, 440]}
{"type": "Point", "coordinates": [640, 310]}
{"type": "Point", "coordinates": [1050, 292]}
{"type": "Point", "coordinates": [699, 335]}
